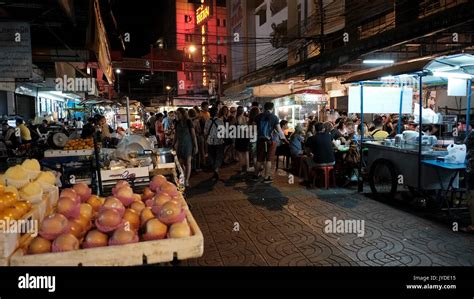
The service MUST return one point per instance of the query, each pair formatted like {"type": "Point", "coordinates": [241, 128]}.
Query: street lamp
{"type": "Point", "coordinates": [192, 49]}
{"type": "Point", "coordinates": [168, 88]}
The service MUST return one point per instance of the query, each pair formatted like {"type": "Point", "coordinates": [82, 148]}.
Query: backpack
{"type": "Point", "coordinates": [353, 155]}
{"type": "Point", "coordinates": [265, 128]}
{"type": "Point", "coordinates": [213, 122]}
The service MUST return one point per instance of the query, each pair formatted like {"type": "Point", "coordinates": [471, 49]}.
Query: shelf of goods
{"type": "Point", "coordinates": [179, 236]}
{"type": "Point", "coordinates": [14, 234]}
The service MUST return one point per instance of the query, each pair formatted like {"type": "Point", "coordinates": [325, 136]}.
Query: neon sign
{"type": "Point", "coordinates": [202, 14]}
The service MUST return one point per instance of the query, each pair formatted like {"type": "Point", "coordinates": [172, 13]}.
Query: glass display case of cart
{"type": "Point", "coordinates": [296, 108]}
{"type": "Point", "coordinates": [137, 119]}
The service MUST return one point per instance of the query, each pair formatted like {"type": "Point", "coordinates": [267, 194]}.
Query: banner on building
{"type": "Point", "coordinates": [98, 42]}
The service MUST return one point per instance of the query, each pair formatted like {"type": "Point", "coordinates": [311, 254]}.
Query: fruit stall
{"type": "Point", "coordinates": [77, 227]}
{"type": "Point", "coordinates": [135, 159]}
{"type": "Point", "coordinates": [27, 195]}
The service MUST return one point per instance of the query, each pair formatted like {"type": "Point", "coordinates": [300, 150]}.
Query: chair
{"type": "Point", "coordinates": [283, 150]}
{"type": "Point", "coordinates": [328, 172]}
{"type": "Point", "coordinates": [296, 165]}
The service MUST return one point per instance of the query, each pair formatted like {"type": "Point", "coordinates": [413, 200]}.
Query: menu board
{"type": "Point", "coordinates": [15, 50]}
{"type": "Point", "coordinates": [380, 99]}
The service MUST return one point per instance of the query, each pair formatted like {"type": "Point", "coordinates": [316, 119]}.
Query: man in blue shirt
{"type": "Point", "coordinates": [267, 123]}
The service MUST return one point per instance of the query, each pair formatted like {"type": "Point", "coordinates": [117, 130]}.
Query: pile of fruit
{"type": "Point", "coordinates": [11, 208]}
{"type": "Point", "coordinates": [84, 220]}
{"type": "Point", "coordinates": [27, 181]}
{"type": "Point", "coordinates": [79, 144]}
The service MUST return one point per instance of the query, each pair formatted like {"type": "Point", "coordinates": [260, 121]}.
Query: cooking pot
{"type": "Point", "coordinates": [165, 155]}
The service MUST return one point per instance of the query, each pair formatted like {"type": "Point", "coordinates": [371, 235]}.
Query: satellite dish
{"type": "Point", "coordinates": [60, 139]}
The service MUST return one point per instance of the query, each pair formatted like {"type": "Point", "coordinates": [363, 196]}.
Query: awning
{"type": "Point", "coordinates": [405, 67]}
{"type": "Point", "coordinates": [453, 64]}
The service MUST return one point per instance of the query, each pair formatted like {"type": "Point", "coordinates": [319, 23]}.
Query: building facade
{"type": "Point", "coordinates": [202, 34]}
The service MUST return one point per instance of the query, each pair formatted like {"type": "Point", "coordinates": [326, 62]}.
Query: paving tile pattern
{"type": "Point", "coordinates": [254, 224]}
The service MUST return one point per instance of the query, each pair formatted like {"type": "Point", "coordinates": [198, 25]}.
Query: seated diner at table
{"type": "Point", "coordinates": [319, 151]}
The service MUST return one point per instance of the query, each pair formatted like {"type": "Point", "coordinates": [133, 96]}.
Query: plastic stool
{"type": "Point", "coordinates": [328, 170]}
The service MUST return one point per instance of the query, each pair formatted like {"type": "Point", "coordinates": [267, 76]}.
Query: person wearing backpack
{"type": "Point", "coordinates": [267, 123]}
{"type": "Point", "coordinates": [215, 144]}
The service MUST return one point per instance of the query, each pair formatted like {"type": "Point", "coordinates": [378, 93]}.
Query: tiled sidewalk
{"type": "Point", "coordinates": [246, 223]}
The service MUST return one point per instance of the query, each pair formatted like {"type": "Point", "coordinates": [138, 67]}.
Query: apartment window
{"type": "Point", "coordinates": [262, 16]}
{"type": "Point", "coordinates": [378, 25]}
{"type": "Point", "coordinates": [218, 22]}
{"type": "Point", "coordinates": [276, 6]}
{"type": "Point", "coordinates": [189, 76]}
{"type": "Point", "coordinates": [188, 37]}
{"type": "Point", "coordinates": [225, 59]}
{"type": "Point", "coordinates": [188, 19]}
{"type": "Point", "coordinates": [224, 23]}
{"type": "Point", "coordinates": [219, 58]}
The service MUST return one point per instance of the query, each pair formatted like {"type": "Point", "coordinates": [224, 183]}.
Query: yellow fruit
{"type": "Point", "coordinates": [31, 189]}
{"type": "Point", "coordinates": [12, 213]}
{"type": "Point", "coordinates": [23, 206]}
{"type": "Point", "coordinates": [7, 200]}
{"type": "Point", "coordinates": [31, 164]}
{"type": "Point", "coordinates": [47, 177]}
{"type": "Point", "coordinates": [12, 192]}
{"type": "Point", "coordinates": [16, 173]}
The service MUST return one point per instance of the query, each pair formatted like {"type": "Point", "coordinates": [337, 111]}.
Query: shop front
{"type": "Point", "coordinates": [297, 107]}
{"type": "Point", "coordinates": [431, 158]}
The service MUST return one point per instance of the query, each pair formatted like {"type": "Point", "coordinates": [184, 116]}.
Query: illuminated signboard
{"type": "Point", "coordinates": [202, 14]}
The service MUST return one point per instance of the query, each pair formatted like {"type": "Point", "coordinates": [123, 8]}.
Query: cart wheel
{"type": "Point", "coordinates": [383, 179]}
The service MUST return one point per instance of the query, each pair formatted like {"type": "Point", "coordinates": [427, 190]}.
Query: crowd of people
{"type": "Point", "coordinates": [195, 135]}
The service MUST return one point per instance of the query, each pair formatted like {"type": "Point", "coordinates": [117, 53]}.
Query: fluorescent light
{"type": "Point", "coordinates": [378, 61]}
{"type": "Point", "coordinates": [396, 77]}
{"type": "Point", "coordinates": [452, 75]}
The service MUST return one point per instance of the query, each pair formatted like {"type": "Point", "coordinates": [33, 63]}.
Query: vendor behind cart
{"type": "Point", "coordinates": [25, 133]}
{"type": "Point", "coordinates": [378, 132]}
{"type": "Point", "coordinates": [9, 137]}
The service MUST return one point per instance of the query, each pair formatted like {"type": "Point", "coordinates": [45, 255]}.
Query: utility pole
{"type": "Point", "coordinates": [321, 24]}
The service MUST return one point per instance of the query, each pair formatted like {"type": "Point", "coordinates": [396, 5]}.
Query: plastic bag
{"type": "Point", "coordinates": [456, 153]}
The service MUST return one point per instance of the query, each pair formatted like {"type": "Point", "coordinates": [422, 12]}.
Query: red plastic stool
{"type": "Point", "coordinates": [328, 170]}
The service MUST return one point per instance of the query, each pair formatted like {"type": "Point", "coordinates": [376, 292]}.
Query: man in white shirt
{"type": "Point", "coordinates": [79, 125]}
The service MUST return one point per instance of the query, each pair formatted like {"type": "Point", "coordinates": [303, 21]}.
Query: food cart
{"type": "Point", "coordinates": [296, 107]}
{"type": "Point", "coordinates": [417, 162]}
